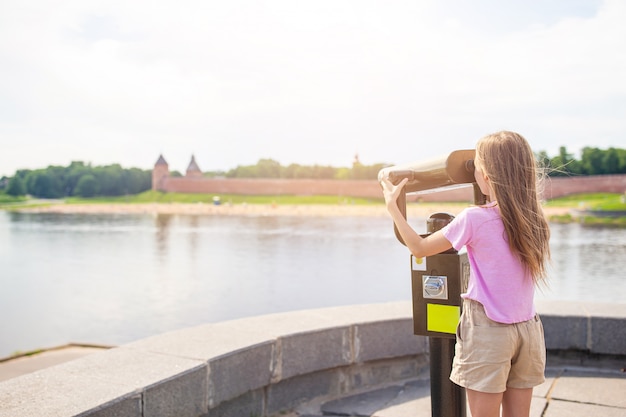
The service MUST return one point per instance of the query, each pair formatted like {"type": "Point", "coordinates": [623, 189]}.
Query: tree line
{"type": "Point", "coordinates": [593, 161]}
{"type": "Point", "coordinates": [268, 168]}
{"type": "Point", "coordinates": [83, 180]}
{"type": "Point", "coordinates": [79, 179]}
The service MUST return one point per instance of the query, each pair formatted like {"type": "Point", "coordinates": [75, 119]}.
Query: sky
{"type": "Point", "coordinates": [304, 82]}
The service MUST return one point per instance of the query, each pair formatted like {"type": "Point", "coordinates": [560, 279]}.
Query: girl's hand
{"type": "Point", "coordinates": [392, 192]}
{"type": "Point", "coordinates": [419, 247]}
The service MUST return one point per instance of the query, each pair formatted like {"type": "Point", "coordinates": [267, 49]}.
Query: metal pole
{"type": "Point", "coordinates": [446, 398]}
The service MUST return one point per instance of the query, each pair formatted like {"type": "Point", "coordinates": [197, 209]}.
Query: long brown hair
{"type": "Point", "coordinates": [509, 163]}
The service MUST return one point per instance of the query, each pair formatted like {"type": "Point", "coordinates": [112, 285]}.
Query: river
{"type": "Point", "coordinates": [110, 279]}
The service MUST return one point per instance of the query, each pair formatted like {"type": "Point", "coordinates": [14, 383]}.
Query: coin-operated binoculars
{"type": "Point", "coordinates": [439, 280]}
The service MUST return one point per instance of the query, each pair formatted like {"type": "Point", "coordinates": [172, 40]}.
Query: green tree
{"type": "Point", "coordinates": [358, 172]}
{"type": "Point", "coordinates": [365, 172]}
{"type": "Point", "coordinates": [373, 171]}
{"type": "Point", "coordinates": [321, 172]}
{"type": "Point", "coordinates": [243, 171]}
{"type": "Point", "coordinates": [268, 168]}
{"type": "Point", "coordinates": [291, 171]}
{"type": "Point", "coordinates": [16, 187]}
{"type": "Point", "coordinates": [610, 161]}
{"type": "Point", "coordinates": [560, 164]}
{"type": "Point", "coordinates": [136, 181]}
{"type": "Point", "coordinates": [621, 154]}
{"type": "Point", "coordinates": [565, 157]}
{"type": "Point", "coordinates": [295, 171]}
{"type": "Point", "coordinates": [87, 186]}
{"type": "Point", "coordinates": [592, 161]}
{"type": "Point", "coordinates": [543, 159]}
{"type": "Point", "coordinates": [44, 183]}
{"type": "Point", "coordinates": [58, 182]}
{"type": "Point", "coordinates": [110, 179]}
{"type": "Point", "coordinates": [342, 174]}
{"type": "Point", "coordinates": [73, 173]}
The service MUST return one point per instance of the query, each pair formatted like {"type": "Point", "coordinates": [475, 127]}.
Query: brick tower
{"type": "Point", "coordinates": [193, 170]}
{"type": "Point", "coordinates": [160, 173]}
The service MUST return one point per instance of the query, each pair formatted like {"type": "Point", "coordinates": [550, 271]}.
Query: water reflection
{"type": "Point", "coordinates": [115, 278]}
{"type": "Point", "coordinates": [587, 263]}
{"type": "Point", "coordinates": [162, 223]}
{"type": "Point", "coordinates": [193, 224]}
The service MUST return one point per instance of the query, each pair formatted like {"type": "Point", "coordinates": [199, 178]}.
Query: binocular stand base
{"type": "Point", "coordinates": [447, 399]}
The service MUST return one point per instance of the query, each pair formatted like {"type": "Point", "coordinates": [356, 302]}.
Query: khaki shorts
{"type": "Point", "coordinates": [491, 356]}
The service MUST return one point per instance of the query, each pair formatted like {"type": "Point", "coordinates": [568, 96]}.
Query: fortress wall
{"type": "Point", "coordinates": [268, 186]}
{"type": "Point", "coordinates": [553, 187]}
{"type": "Point", "coordinates": [561, 186]}
{"type": "Point", "coordinates": [339, 188]}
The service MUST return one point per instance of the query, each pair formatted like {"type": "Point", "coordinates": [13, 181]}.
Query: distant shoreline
{"type": "Point", "coordinates": [311, 210]}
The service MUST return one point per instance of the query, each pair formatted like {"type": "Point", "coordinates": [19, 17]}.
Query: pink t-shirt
{"type": "Point", "coordinates": [498, 280]}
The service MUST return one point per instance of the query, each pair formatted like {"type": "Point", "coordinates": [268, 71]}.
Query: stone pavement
{"type": "Point", "coordinates": [574, 387]}
{"type": "Point", "coordinates": [14, 367]}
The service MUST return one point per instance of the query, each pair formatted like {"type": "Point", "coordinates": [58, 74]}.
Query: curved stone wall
{"type": "Point", "coordinates": [264, 365]}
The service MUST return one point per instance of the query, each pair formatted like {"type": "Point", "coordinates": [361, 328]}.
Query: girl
{"type": "Point", "coordinates": [500, 348]}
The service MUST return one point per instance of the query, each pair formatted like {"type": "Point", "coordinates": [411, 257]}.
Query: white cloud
{"type": "Point", "coordinates": [304, 82]}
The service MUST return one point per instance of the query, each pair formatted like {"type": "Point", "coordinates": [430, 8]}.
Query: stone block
{"type": "Point", "coordinates": [387, 339]}
{"type": "Point", "coordinates": [608, 336]}
{"type": "Point", "coordinates": [241, 371]}
{"type": "Point", "coordinates": [287, 394]}
{"type": "Point", "coordinates": [563, 332]}
{"type": "Point", "coordinates": [249, 404]}
{"type": "Point", "coordinates": [371, 374]}
{"type": "Point", "coordinates": [205, 342]}
{"type": "Point", "coordinates": [303, 353]}
{"type": "Point", "coordinates": [127, 407]}
{"type": "Point", "coordinates": [182, 396]}
{"type": "Point", "coordinates": [94, 382]}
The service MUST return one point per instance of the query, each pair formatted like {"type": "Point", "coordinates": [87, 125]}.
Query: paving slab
{"type": "Point", "coordinates": [30, 363]}
{"type": "Point", "coordinates": [364, 404]}
{"type": "Point", "coordinates": [591, 387]}
{"type": "Point", "coordinates": [413, 401]}
{"type": "Point", "coordinates": [574, 409]}
{"type": "Point", "coordinates": [567, 391]}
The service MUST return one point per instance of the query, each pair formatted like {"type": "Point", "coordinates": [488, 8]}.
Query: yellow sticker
{"type": "Point", "coordinates": [418, 264]}
{"type": "Point", "coordinates": [442, 318]}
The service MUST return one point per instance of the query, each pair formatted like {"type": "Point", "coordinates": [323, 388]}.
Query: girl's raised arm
{"type": "Point", "coordinates": [419, 246]}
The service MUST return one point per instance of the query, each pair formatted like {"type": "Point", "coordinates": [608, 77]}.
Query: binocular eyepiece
{"type": "Point", "coordinates": [456, 168]}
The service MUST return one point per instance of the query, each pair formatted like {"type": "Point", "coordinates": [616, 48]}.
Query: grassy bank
{"type": "Point", "coordinates": [598, 201]}
{"type": "Point", "coordinates": [586, 206]}
{"type": "Point", "coordinates": [8, 199]}
{"type": "Point", "coordinates": [16, 203]}
{"type": "Point", "coordinates": [160, 197]}
{"type": "Point", "coordinates": [595, 201]}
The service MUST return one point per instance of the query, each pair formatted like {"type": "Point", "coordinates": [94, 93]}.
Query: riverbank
{"type": "Point", "coordinates": [315, 210]}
